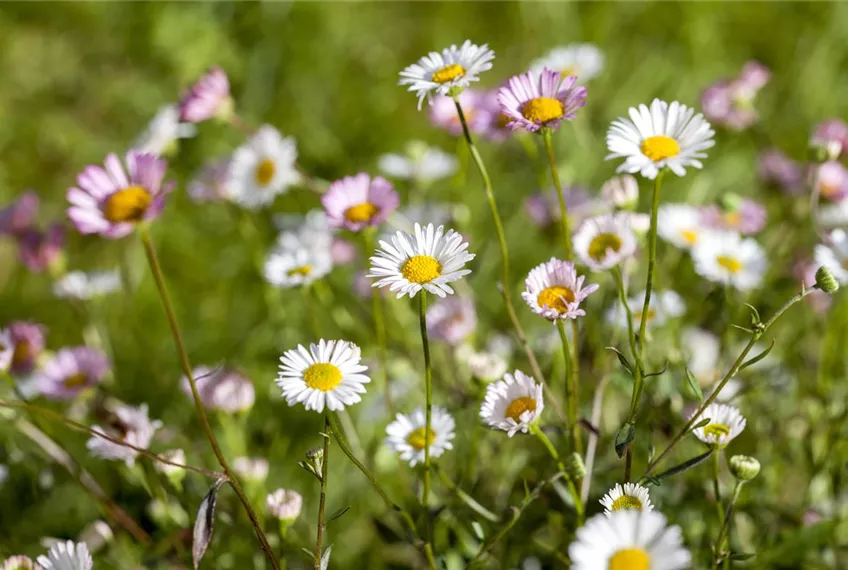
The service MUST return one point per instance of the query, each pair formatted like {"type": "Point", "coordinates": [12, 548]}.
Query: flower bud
{"type": "Point", "coordinates": [621, 191]}
{"type": "Point", "coordinates": [744, 467]}
{"type": "Point", "coordinates": [826, 281]}
{"type": "Point", "coordinates": [575, 467]}
{"type": "Point", "coordinates": [284, 505]}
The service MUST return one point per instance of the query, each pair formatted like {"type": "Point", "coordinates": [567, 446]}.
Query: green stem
{"type": "Point", "coordinates": [159, 278]}
{"type": "Point", "coordinates": [622, 296]}
{"type": "Point", "coordinates": [570, 404]}
{"type": "Point", "coordinates": [380, 328]}
{"type": "Point", "coordinates": [716, 487]}
{"type": "Point", "coordinates": [325, 459]}
{"type": "Point", "coordinates": [725, 526]}
{"type": "Point", "coordinates": [428, 387]}
{"type": "Point", "coordinates": [575, 494]}
{"type": "Point", "coordinates": [575, 387]}
{"type": "Point", "coordinates": [563, 209]}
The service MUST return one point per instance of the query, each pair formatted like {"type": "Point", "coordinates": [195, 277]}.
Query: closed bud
{"type": "Point", "coordinates": [316, 459]}
{"type": "Point", "coordinates": [826, 281]}
{"type": "Point", "coordinates": [575, 467]}
{"type": "Point", "coordinates": [744, 467]}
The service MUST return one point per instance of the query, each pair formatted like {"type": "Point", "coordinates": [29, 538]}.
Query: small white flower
{"type": "Point", "coordinates": [585, 61]}
{"type": "Point", "coordinates": [621, 191]}
{"type": "Point", "coordinates": [554, 291]}
{"type": "Point", "coordinates": [448, 72]}
{"type": "Point", "coordinates": [96, 535]}
{"type": "Point", "coordinates": [726, 422]}
{"type": "Point", "coordinates": [834, 255]}
{"type": "Point", "coordinates": [680, 225]}
{"type": "Point", "coordinates": [284, 504]}
{"type": "Point", "coordinates": [605, 241]}
{"type": "Point", "coordinates": [19, 562]}
{"type": "Point", "coordinates": [664, 136]}
{"type": "Point", "coordinates": [513, 404]}
{"type": "Point", "coordinates": [420, 163]}
{"type": "Point", "coordinates": [85, 286]}
{"type": "Point", "coordinates": [640, 223]}
{"type": "Point", "coordinates": [428, 260]}
{"type": "Point", "coordinates": [162, 133]}
{"type": "Point", "coordinates": [262, 168]}
{"type": "Point", "coordinates": [298, 261]}
{"type": "Point", "coordinates": [252, 468]}
{"type": "Point", "coordinates": [727, 257]}
{"type": "Point", "coordinates": [408, 436]}
{"type": "Point", "coordinates": [328, 373]}
{"type": "Point", "coordinates": [175, 456]}
{"type": "Point", "coordinates": [7, 349]}
{"type": "Point", "coordinates": [67, 556]}
{"type": "Point", "coordinates": [130, 425]}
{"type": "Point", "coordinates": [486, 365]}
{"type": "Point", "coordinates": [665, 304]}
{"type": "Point", "coordinates": [630, 496]}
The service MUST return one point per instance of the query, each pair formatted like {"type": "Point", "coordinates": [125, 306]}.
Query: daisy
{"type": "Point", "coordinates": [20, 214]}
{"type": "Point", "coordinates": [486, 365]}
{"type": "Point", "coordinates": [428, 260]}
{"type": "Point", "coordinates": [72, 371]}
{"type": "Point", "coordinates": [629, 540]}
{"type": "Point", "coordinates": [664, 136]}
{"type": "Point", "coordinates": [774, 167]}
{"type": "Point", "coordinates": [292, 263]}
{"type": "Point", "coordinates": [745, 216]}
{"type": "Point", "coordinates": [605, 241]}
{"type": "Point", "coordinates": [443, 114]}
{"type": "Point", "coordinates": [665, 304]}
{"type": "Point", "coordinates": [19, 563]}
{"type": "Point", "coordinates": [831, 135]}
{"type": "Point", "coordinates": [513, 404]}
{"type": "Point", "coordinates": [832, 181]}
{"type": "Point", "coordinates": [252, 468]}
{"type": "Point", "coordinates": [421, 164]}
{"type": "Point", "coordinates": [27, 343]}
{"type": "Point", "coordinates": [262, 168]}
{"type": "Point", "coordinates": [129, 424]}
{"type": "Point", "coordinates": [631, 496]}
{"type": "Point", "coordinates": [727, 257]}
{"type": "Point", "coordinates": [221, 389]}
{"type": "Point", "coordinates": [67, 556]}
{"type": "Point", "coordinates": [357, 202]}
{"type": "Point", "coordinates": [39, 250]}
{"type": "Point", "coordinates": [621, 191]}
{"type": "Point", "coordinates": [451, 320]}
{"type": "Point", "coordinates": [210, 183]}
{"type": "Point", "coordinates": [447, 73]}
{"type": "Point", "coordinates": [328, 373]}
{"type": "Point", "coordinates": [834, 255]}
{"type": "Point", "coordinates": [726, 422]}
{"type": "Point", "coordinates": [585, 61]}
{"type": "Point", "coordinates": [7, 350]}
{"type": "Point", "coordinates": [112, 201]}
{"type": "Point", "coordinates": [209, 97]}
{"type": "Point", "coordinates": [731, 102]}
{"type": "Point", "coordinates": [554, 291]}
{"type": "Point", "coordinates": [408, 436]}
{"type": "Point", "coordinates": [284, 505]}
{"type": "Point", "coordinates": [85, 286]}
{"type": "Point", "coordinates": [161, 135]}
{"type": "Point", "coordinates": [535, 101]}
{"type": "Point", "coordinates": [680, 224]}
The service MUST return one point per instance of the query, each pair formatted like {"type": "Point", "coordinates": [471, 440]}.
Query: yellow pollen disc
{"type": "Point", "coordinates": [719, 430]}
{"type": "Point", "coordinates": [570, 70]}
{"type": "Point", "coordinates": [828, 190]}
{"type": "Point", "coordinates": [303, 271]}
{"type": "Point", "coordinates": [361, 212]}
{"type": "Point", "coordinates": [556, 297]}
{"type": "Point", "coordinates": [502, 121]}
{"type": "Point", "coordinates": [733, 218]}
{"type": "Point", "coordinates": [625, 502]}
{"type": "Point", "coordinates": [322, 376]}
{"type": "Point", "coordinates": [448, 73]}
{"type": "Point", "coordinates": [265, 171]}
{"type": "Point", "coordinates": [127, 205]}
{"type": "Point", "coordinates": [519, 406]}
{"type": "Point", "coordinates": [416, 438]}
{"type": "Point", "coordinates": [601, 243]}
{"type": "Point", "coordinates": [649, 317]}
{"type": "Point", "coordinates": [421, 269]}
{"type": "Point", "coordinates": [660, 147]}
{"type": "Point", "coordinates": [690, 236]}
{"type": "Point", "coordinates": [23, 352]}
{"type": "Point", "coordinates": [75, 381]}
{"type": "Point", "coordinates": [730, 263]}
{"type": "Point", "coordinates": [630, 559]}
{"type": "Point", "coordinates": [542, 109]}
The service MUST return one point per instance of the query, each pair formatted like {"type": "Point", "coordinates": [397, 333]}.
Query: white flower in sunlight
{"type": "Point", "coordinates": [727, 257]}
{"type": "Point", "coordinates": [680, 225]}
{"type": "Point", "coordinates": [164, 130]}
{"type": "Point", "coordinates": [585, 61]}
{"type": "Point", "coordinates": [262, 168]}
{"type": "Point", "coordinates": [251, 468]}
{"type": "Point", "coordinates": [19, 562]}
{"type": "Point", "coordinates": [130, 425]}
{"type": "Point", "coordinates": [174, 456]}
{"type": "Point", "coordinates": [554, 291]}
{"type": "Point", "coordinates": [296, 261]}
{"type": "Point", "coordinates": [629, 496]}
{"type": "Point", "coordinates": [726, 422]}
{"type": "Point", "coordinates": [84, 286]}
{"type": "Point", "coordinates": [408, 436]}
{"type": "Point", "coordinates": [665, 304]}
{"type": "Point", "coordinates": [448, 72]}
{"type": "Point", "coordinates": [605, 241]}
{"type": "Point", "coordinates": [834, 255]}
{"type": "Point", "coordinates": [67, 556]}
{"type": "Point", "coordinates": [420, 163]}
{"type": "Point", "coordinates": [486, 365]}
{"type": "Point", "coordinates": [284, 505]}
{"type": "Point", "coordinates": [513, 404]}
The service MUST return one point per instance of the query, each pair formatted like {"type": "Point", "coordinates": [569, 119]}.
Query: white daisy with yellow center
{"type": "Point", "coordinates": [680, 225]}
{"type": "Point", "coordinates": [297, 261]}
{"type": "Point", "coordinates": [665, 304]}
{"type": "Point", "coordinates": [629, 540]}
{"type": "Point", "coordinates": [605, 241]}
{"type": "Point", "coordinates": [408, 436]}
{"type": "Point", "coordinates": [663, 136]}
{"type": "Point", "coordinates": [629, 496]}
{"type": "Point", "coordinates": [67, 556]}
{"type": "Point", "coordinates": [585, 61]}
{"type": "Point", "coordinates": [512, 404]}
{"type": "Point", "coordinates": [730, 259]}
{"type": "Point", "coordinates": [554, 291]}
{"type": "Point", "coordinates": [326, 374]}
{"type": "Point", "coordinates": [262, 168]}
{"type": "Point", "coordinates": [429, 260]}
{"type": "Point", "coordinates": [726, 422]}
{"type": "Point", "coordinates": [447, 72]}
{"type": "Point", "coordinates": [19, 562]}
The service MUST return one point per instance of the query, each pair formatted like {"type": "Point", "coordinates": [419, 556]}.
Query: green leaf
{"type": "Point", "coordinates": [658, 373]}
{"type": "Point", "coordinates": [624, 438]}
{"type": "Point", "coordinates": [700, 424]}
{"type": "Point", "coordinates": [622, 359]}
{"type": "Point", "coordinates": [694, 386]}
{"type": "Point", "coordinates": [336, 515]}
{"type": "Point", "coordinates": [685, 466]}
{"type": "Point", "coordinates": [757, 358]}
{"type": "Point", "coordinates": [741, 556]}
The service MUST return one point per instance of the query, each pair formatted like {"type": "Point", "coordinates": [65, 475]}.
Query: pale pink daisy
{"type": "Point", "coordinates": [831, 135]}
{"type": "Point", "coordinates": [747, 217]}
{"type": "Point", "coordinates": [731, 102]}
{"type": "Point", "coordinates": [451, 320]}
{"type": "Point", "coordinates": [534, 101]}
{"type": "Point", "coordinates": [774, 167]}
{"type": "Point", "coordinates": [20, 214]}
{"type": "Point", "coordinates": [71, 371]}
{"type": "Point", "coordinates": [443, 113]}
{"type": "Point", "coordinates": [38, 250]}
{"type": "Point", "coordinates": [832, 181]}
{"type": "Point", "coordinates": [207, 98]}
{"type": "Point", "coordinates": [27, 339]}
{"type": "Point", "coordinates": [357, 202]}
{"type": "Point", "coordinates": [130, 425]}
{"type": "Point", "coordinates": [554, 291]}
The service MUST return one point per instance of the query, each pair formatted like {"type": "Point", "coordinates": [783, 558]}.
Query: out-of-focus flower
{"type": "Point", "coordinates": [663, 136]}
{"type": "Point", "coordinates": [834, 214]}
{"type": "Point", "coordinates": [342, 251]}
{"type": "Point", "coordinates": [448, 72]}
{"type": "Point", "coordinates": [262, 168]}
{"type": "Point", "coordinates": [774, 167]}
{"type": "Point", "coordinates": [680, 225]}
{"type": "Point", "coordinates": [832, 181]}
{"type": "Point", "coordinates": [162, 134]}
{"type": "Point", "coordinates": [640, 222]}
{"type": "Point", "coordinates": [84, 286]}
{"type": "Point", "coordinates": [7, 350]}
{"type": "Point", "coordinates": [535, 101]}
{"type": "Point", "coordinates": [27, 342]}
{"type": "Point", "coordinates": [726, 422]}
{"type": "Point", "coordinates": [731, 102]}
{"type": "Point", "coordinates": [67, 556]}
{"type": "Point", "coordinates": [831, 135]}
{"type": "Point", "coordinates": [727, 257]}
{"type": "Point", "coordinates": [451, 320]}
{"type": "Point", "coordinates": [621, 191]}
{"type": "Point", "coordinates": [20, 214]}
{"type": "Point", "coordinates": [19, 562]}
{"type": "Point", "coordinates": [408, 435]}
{"type": "Point", "coordinates": [221, 389]}
{"type": "Point", "coordinates": [96, 535]}
{"type": "Point", "coordinates": [284, 505]}
{"type": "Point", "coordinates": [294, 263]}
{"type": "Point", "coordinates": [251, 468]}
{"type": "Point", "coordinates": [512, 404]}
{"type": "Point", "coordinates": [209, 97]}
{"type": "Point", "coordinates": [630, 496]}
{"type": "Point", "coordinates": [834, 255]}
{"type": "Point", "coordinates": [486, 366]}
{"type": "Point", "coordinates": [554, 291]}
{"type": "Point", "coordinates": [72, 371]}
{"type": "Point", "coordinates": [39, 250]}
{"type": "Point", "coordinates": [130, 425]}
{"type": "Point", "coordinates": [443, 113]}
{"type": "Point", "coordinates": [702, 350]}
{"type": "Point", "coordinates": [665, 304]}
{"type": "Point", "coordinates": [745, 216]}
{"type": "Point", "coordinates": [605, 241]}
{"type": "Point", "coordinates": [110, 203]}
{"type": "Point", "coordinates": [172, 471]}
{"type": "Point", "coordinates": [585, 61]}
{"type": "Point", "coordinates": [210, 183]}
{"type": "Point", "coordinates": [357, 202]}
{"type": "Point", "coordinates": [420, 163]}
{"type": "Point", "coordinates": [543, 207]}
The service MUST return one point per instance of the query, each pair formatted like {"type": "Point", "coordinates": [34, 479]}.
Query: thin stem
{"type": "Point", "coordinates": [325, 459]}
{"type": "Point", "coordinates": [575, 386]}
{"type": "Point", "coordinates": [578, 503]}
{"type": "Point", "coordinates": [622, 296]}
{"type": "Point", "coordinates": [563, 209]}
{"type": "Point", "coordinates": [158, 277]}
{"type": "Point", "coordinates": [725, 526]}
{"type": "Point", "coordinates": [628, 464]}
{"type": "Point", "coordinates": [592, 446]}
{"type": "Point", "coordinates": [428, 387]}
{"type": "Point", "coordinates": [466, 498]}
{"type": "Point", "coordinates": [380, 328]}
{"type": "Point", "coordinates": [716, 487]}
{"type": "Point", "coordinates": [571, 422]}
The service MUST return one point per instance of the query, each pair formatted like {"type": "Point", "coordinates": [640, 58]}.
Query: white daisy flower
{"type": "Point", "coordinates": [284, 504]}
{"type": "Point", "coordinates": [296, 261]}
{"type": "Point", "coordinates": [428, 260]}
{"type": "Point", "coordinates": [486, 365]}
{"type": "Point", "coordinates": [84, 286]}
{"type": "Point", "coordinates": [727, 257]}
{"type": "Point", "coordinates": [834, 255]}
{"type": "Point", "coordinates": [448, 72]}
{"type": "Point", "coordinates": [420, 163]}
{"type": "Point", "coordinates": [513, 404]}
{"type": "Point", "coordinates": [130, 425]}
{"type": "Point", "coordinates": [252, 468]}
{"type": "Point", "coordinates": [19, 562]}
{"type": "Point", "coordinates": [329, 373]}
{"type": "Point", "coordinates": [262, 168]}
{"type": "Point", "coordinates": [164, 130]}
{"type": "Point", "coordinates": [726, 422]}
{"type": "Point", "coordinates": [408, 436]}
{"type": "Point", "coordinates": [629, 540]}
{"type": "Point", "coordinates": [585, 61]}
{"type": "Point", "coordinates": [664, 136]}
{"type": "Point", "coordinates": [605, 241]}
{"type": "Point", "coordinates": [680, 225]}
{"type": "Point", "coordinates": [630, 496]}
{"type": "Point", "coordinates": [67, 556]}
{"type": "Point", "coordinates": [7, 349]}
{"type": "Point", "coordinates": [665, 304]}
{"type": "Point", "coordinates": [554, 291]}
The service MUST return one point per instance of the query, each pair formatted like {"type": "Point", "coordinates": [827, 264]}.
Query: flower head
{"type": "Point", "coordinates": [486, 366]}
{"type": "Point", "coordinates": [221, 389]}
{"type": "Point", "coordinates": [534, 101]}
{"type": "Point", "coordinates": [111, 201]}
{"type": "Point", "coordinates": [630, 496]}
{"type": "Point", "coordinates": [731, 102]}
{"type": "Point", "coordinates": [745, 216]}
{"type": "Point", "coordinates": [451, 320]}
{"type": "Point", "coordinates": [298, 260]}
{"type": "Point", "coordinates": [680, 224]}
{"type": "Point", "coordinates": [554, 291]}
{"type": "Point", "coordinates": [40, 250]}
{"type": "Point", "coordinates": [448, 72]}
{"type": "Point", "coordinates": [357, 202]}
{"type": "Point", "coordinates": [252, 468]}
{"type": "Point", "coordinates": [67, 556]}
{"type": "Point", "coordinates": [727, 257]}
{"type": "Point", "coordinates": [774, 167]}
{"type": "Point", "coordinates": [585, 61]}
{"type": "Point", "coordinates": [27, 342]}
{"type": "Point", "coordinates": [621, 191]}
{"type": "Point", "coordinates": [209, 97]}
{"type": "Point", "coordinates": [663, 136]}
{"type": "Point", "coordinates": [512, 404]}
{"type": "Point", "coordinates": [19, 563]}
{"type": "Point", "coordinates": [84, 286]}
{"type": "Point", "coordinates": [831, 135]}
{"type": "Point", "coordinates": [210, 183]}
{"type": "Point", "coordinates": [284, 505]}
{"type": "Point", "coordinates": [420, 163]}
{"type": "Point", "coordinates": [408, 435]}
{"type": "Point", "coordinates": [744, 467]}
{"type": "Point", "coordinates": [726, 422]}
{"type": "Point", "coordinates": [326, 374]}
{"type": "Point", "coordinates": [262, 168]}
{"type": "Point", "coordinates": [20, 214]}
{"type": "Point", "coordinates": [832, 181]}
{"type": "Point", "coordinates": [665, 304]}
{"type": "Point", "coordinates": [428, 260]}
{"type": "Point", "coordinates": [130, 425]}
{"type": "Point", "coordinates": [162, 134]}
{"type": "Point", "coordinates": [833, 254]}
{"type": "Point", "coordinates": [605, 241]}
{"type": "Point", "coordinates": [72, 371]}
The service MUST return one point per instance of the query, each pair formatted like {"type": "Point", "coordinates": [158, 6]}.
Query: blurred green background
{"type": "Point", "coordinates": [80, 80]}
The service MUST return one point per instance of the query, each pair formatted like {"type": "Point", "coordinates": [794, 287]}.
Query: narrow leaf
{"type": "Point", "coordinates": [694, 386]}
{"type": "Point", "coordinates": [741, 556]}
{"type": "Point", "coordinates": [309, 554]}
{"type": "Point", "coordinates": [478, 530]}
{"type": "Point", "coordinates": [685, 466]}
{"type": "Point", "coordinates": [755, 318]}
{"type": "Point", "coordinates": [622, 359]}
{"type": "Point", "coordinates": [700, 424]}
{"type": "Point", "coordinates": [325, 558]}
{"type": "Point", "coordinates": [204, 523]}
{"type": "Point", "coordinates": [757, 358]}
{"type": "Point", "coordinates": [336, 515]}
{"type": "Point", "coordinates": [624, 438]}
{"type": "Point", "coordinates": [658, 373]}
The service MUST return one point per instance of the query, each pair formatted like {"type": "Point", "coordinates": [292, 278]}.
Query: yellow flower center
{"type": "Point", "coordinates": [660, 147]}
{"type": "Point", "coordinates": [630, 559]}
{"type": "Point", "coordinates": [730, 263]}
{"type": "Point", "coordinates": [690, 236]}
{"type": "Point", "coordinates": [418, 440]}
{"type": "Point", "coordinates": [648, 317]}
{"type": "Point", "coordinates": [361, 212]}
{"type": "Point", "coordinates": [76, 381]}
{"type": "Point", "coordinates": [542, 109]}
{"type": "Point", "coordinates": [322, 376]}
{"type": "Point", "coordinates": [601, 243]}
{"type": "Point", "coordinates": [448, 73]}
{"type": "Point", "coordinates": [720, 431]}
{"type": "Point", "coordinates": [828, 190]}
{"type": "Point", "coordinates": [421, 269]}
{"type": "Point", "coordinates": [625, 502]}
{"type": "Point", "coordinates": [303, 271]}
{"type": "Point", "coordinates": [23, 352]}
{"type": "Point", "coordinates": [519, 406]}
{"type": "Point", "coordinates": [570, 70]}
{"type": "Point", "coordinates": [733, 218]}
{"type": "Point", "coordinates": [127, 205]}
{"type": "Point", "coordinates": [556, 297]}
{"type": "Point", "coordinates": [265, 172]}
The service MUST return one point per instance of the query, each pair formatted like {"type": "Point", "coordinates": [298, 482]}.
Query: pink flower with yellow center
{"type": "Point", "coordinates": [534, 101]}
{"type": "Point", "coordinates": [207, 98]}
{"type": "Point", "coordinates": [71, 371]}
{"type": "Point", "coordinates": [357, 202]}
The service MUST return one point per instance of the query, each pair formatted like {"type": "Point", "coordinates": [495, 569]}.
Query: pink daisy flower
{"type": "Point", "coordinates": [832, 181]}
{"type": "Point", "coordinates": [534, 102]}
{"type": "Point", "coordinates": [831, 135]}
{"type": "Point", "coordinates": [554, 291]}
{"type": "Point", "coordinates": [748, 217]}
{"type": "Point", "coordinates": [357, 202]}
{"type": "Point", "coordinates": [110, 203]}
{"type": "Point", "coordinates": [20, 214]}
{"type": "Point", "coordinates": [731, 102]}
{"type": "Point", "coordinates": [27, 340]}
{"type": "Point", "coordinates": [38, 250]}
{"type": "Point", "coordinates": [71, 371]}
{"type": "Point", "coordinates": [207, 98]}
{"type": "Point", "coordinates": [222, 389]}
{"type": "Point", "coordinates": [774, 167]}
{"type": "Point", "coordinates": [451, 320]}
